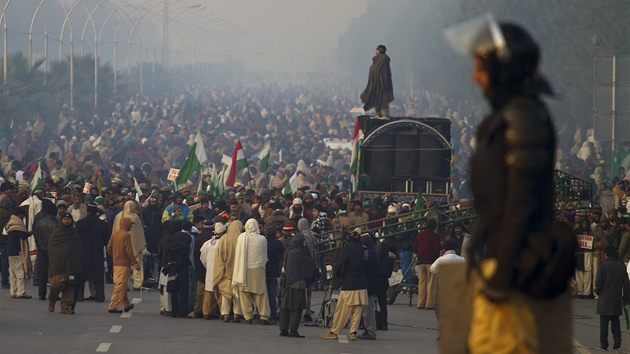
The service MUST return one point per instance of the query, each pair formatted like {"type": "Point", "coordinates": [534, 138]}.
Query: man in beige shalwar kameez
{"type": "Point", "coordinates": [249, 272]}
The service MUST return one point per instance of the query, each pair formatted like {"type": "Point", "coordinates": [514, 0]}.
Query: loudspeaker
{"type": "Point", "coordinates": [405, 153]}
{"type": "Point", "coordinates": [378, 159]}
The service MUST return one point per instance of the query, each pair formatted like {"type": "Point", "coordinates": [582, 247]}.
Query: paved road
{"type": "Point", "coordinates": [27, 327]}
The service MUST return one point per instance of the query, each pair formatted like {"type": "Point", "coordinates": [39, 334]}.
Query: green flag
{"type": "Point", "coordinates": [291, 186]}
{"type": "Point", "coordinates": [419, 204]}
{"type": "Point", "coordinates": [263, 156]}
{"type": "Point", "coordinates": [196, 157]}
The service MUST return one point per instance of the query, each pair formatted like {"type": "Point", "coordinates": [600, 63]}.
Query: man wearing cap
{"type": "Point", "coordinates": [208, 299]}
{"type": "Point", "coordinates": [65, 265]}
{"type": "Point", "coordinates": [240, 198]}
{"type": "Point", "coordinates": [288, 231]}
{"type": "Point", "coordinates": [94, 234]}
{"type": "Point", "coordinates": [379, 91]}
{"type": "Point", "coordinates": [178, 201]}
{"type": "Point", "coordinates": [62, 207]}
{"type": "Point", "coordinates": [296, 212]}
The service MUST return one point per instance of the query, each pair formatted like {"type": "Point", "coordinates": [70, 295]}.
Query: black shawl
{"type": "Point", "coordinates": [65, 252]}
{"type": "Point", "coordinates": [297, 264]}
{"type": "Point", "coordinates": [379, 91]}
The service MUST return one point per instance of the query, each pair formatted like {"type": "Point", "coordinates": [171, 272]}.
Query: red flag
{"type": "Point", "coordinates": [238, 163]}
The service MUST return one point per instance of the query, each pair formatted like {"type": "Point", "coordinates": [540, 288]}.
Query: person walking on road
{"type": "Point", "coordinates": [120, 249]}
{"type": "Point", "coordinates": [65, 265]}
{"type": "Point", "coordinates": [613, 288]}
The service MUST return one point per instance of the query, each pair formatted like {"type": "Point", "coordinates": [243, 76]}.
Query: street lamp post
{"type": "Point", "coordinates": [128, 16]}
{"type": "Point", "coordinates": [30, 40]}
{"type": "Point", "coordinates": [95, 50]}
{"type": "Point", "coordinates": [3, 18]}
{"type": "Point", "coordinates": [122, 20]}
{"type": "Point", "coordinates": [67, 20]}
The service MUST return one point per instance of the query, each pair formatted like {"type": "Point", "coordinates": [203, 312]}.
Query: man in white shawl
{"type": "Point", "coordinates": [34, 206]}
{"type": "Point", "coordinates": [208, 251]}
{"type": "Point", "coordinates": [138, 242]}
{"type": "Point", "coordinates": [249, 272]}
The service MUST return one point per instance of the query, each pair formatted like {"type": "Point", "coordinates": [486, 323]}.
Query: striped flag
{"type": "Point", "coordinates": [238, 163]}
{"type": "Point", "coordinates": [290, 186]}
{"type": "Point", "coordinates": [263, 156]}
{"type": "Point", "coordinates": [355, 161]}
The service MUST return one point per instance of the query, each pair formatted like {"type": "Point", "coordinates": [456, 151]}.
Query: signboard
{"type": "Point", "coordinates": [608, 96]}
{"type": "Point", "coordinates": [172, 174]}
{"type": "Point", "coordinates": [585, 241]}
{"type": "Point", "coordinates": [87, 187]}
{"type": "Point", "coordinates": [603, 69]}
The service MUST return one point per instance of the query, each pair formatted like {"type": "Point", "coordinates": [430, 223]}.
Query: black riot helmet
{"type": "Point", "coordinates": [508, 52]}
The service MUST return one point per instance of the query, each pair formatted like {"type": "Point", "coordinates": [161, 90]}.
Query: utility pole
{"type": "Point", "coordinates": [165, 53]}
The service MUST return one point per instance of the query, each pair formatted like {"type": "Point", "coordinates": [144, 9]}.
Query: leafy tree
{"type": "Point", "coordinates": [24, 95]}
{"type": "Point", "coordinates": [83, 96]}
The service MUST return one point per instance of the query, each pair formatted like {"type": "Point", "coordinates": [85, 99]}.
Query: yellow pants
{"type": "Point", "coordinates": [502, 327]}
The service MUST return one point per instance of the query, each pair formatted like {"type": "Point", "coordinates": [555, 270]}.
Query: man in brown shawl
{"type": "Point", "coordinates": [65, 265]}
{"type": "Point", "coordinates": [138, 241]}
{"type": "Point", "coordinates": [119, 247]}
{"type": "Point", "coordinates": [379, 91]}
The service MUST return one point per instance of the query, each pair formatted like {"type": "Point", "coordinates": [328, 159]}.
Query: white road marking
{"type": "Point", "coordinates": [115, 329]}
{"type": "Point", "coordinates": [126, 314]}
{"type": "Point", "coordinates": [343, 339]}
{"type": "Point", "coordinates": [103, 347]}
{"type": "Point", "coordinates": [580, 348]}
{"type": "Point", "coordinates": [135, 300]}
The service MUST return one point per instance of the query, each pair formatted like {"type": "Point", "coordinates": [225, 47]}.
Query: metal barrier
{"type": "Point", "coordinates": [571, 192]}
{"type": "Point", "coordinates": [448, 213]}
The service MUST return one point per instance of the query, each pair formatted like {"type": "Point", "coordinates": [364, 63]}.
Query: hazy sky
{"type": "Point", "coordinates": [272, 35]}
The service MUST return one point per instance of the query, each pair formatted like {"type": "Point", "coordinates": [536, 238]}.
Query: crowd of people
{"type": "Point", "coordinates": [224, 255]}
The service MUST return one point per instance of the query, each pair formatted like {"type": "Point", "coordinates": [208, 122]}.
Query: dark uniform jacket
{"type": "Point", "coordinates": [512, 180]}
{"type": "Point", "coordinates": [94, 234]}
{"type": "Point", "coordinates": [612, 287]}
{"type": "Point", "coordinates": [351, 266]}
